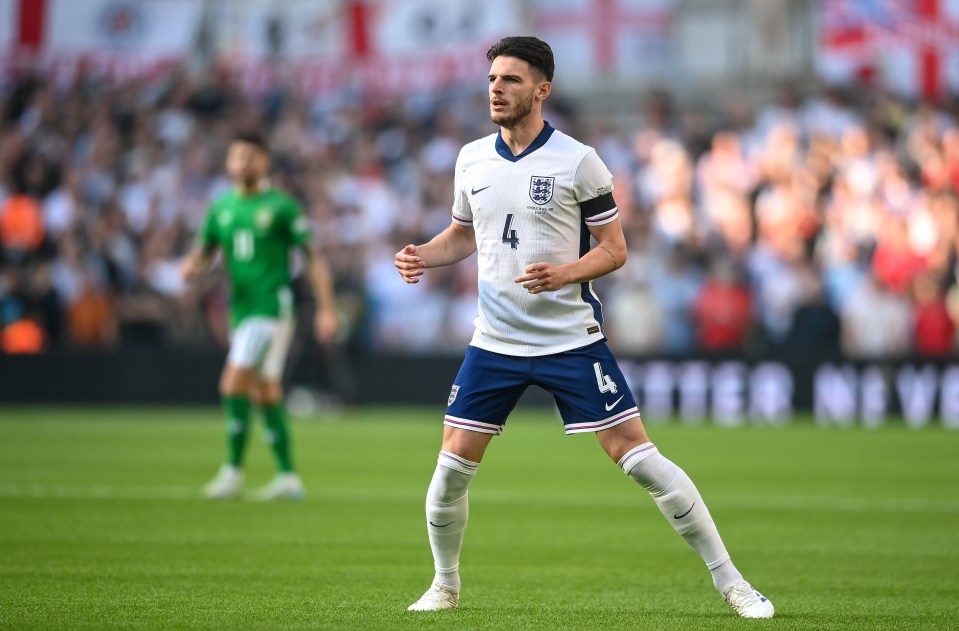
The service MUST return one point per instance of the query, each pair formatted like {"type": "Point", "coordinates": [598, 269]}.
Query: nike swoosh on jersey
{"type": "Point", "coordinates": [474, 191]}
{"type": "Point", "coordinates": [610, 406]}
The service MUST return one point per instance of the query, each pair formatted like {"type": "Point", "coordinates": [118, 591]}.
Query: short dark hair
{"type": "Point", "coordinates": [252, 138]}
{"type": "Point", "coordinates": [532, 50]}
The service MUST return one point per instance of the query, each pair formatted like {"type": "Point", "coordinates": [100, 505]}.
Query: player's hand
{"type": "Point", "coordinates": [408, 264]}
{"type": "Point", "coordinates": [326, 324]}
{"type": "Point", "coordinates": [540, 277]}
{"type": "Point", "coordinates": [189, 268]}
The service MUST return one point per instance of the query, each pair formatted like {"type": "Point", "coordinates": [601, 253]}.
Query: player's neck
{"type": "Point", "coordinates": [247, 189]}
{"type": "Point", "coordinates": [523, 133]}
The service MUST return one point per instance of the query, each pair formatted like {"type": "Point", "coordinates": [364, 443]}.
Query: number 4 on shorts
{"type": "Point", "coordinates": [605, 382]}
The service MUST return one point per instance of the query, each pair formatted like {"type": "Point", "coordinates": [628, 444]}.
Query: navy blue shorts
{"type": "Point", "coordinates": [586, 383]}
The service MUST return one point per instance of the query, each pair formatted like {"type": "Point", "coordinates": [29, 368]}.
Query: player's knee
{"type": "Point", "coordinates": [236, 381]}
{"type": "Point", "coordinates": [268, 393]}
{"type": "Point", "coordinates": [227, 385]}
{"type": "Point", "coordinates": [440, 493]}
{"type": "Point", "coordinates": [653, 471]}
{"type": "Point", "coordinates": [447, 486]}
{"type": "Point", "coordinates": [618, 440]}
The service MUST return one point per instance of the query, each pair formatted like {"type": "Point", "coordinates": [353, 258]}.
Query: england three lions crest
{"type": "Point", "coordinates": [541, 189]}
{"type": "Point", "coordinates": [453, 393]}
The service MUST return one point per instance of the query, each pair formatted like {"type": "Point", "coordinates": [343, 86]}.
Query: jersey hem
{"type": "Point", "coordinates": [535, 352]}
{"type": "Point", "coordinates": [240, 319]}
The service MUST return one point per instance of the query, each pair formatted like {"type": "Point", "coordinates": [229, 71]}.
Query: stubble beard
{"type": "Point", "coordinates": [510, 121]}
{"type": "Point", "coordinates": [248, 181]}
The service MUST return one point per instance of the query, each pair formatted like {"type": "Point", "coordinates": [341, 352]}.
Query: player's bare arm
{"type": "Point", "coordinates": [196, 260]}
{"type": "Point", "coordinates": [450, 246]}
{"type": "Point", "coordinates": [326, 323]}
{"type": "Point", "coordinates": [607, 256]}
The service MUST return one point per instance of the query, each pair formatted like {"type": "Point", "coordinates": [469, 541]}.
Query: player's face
{"type": "Point", "coordinates": [514, 90]}
{"type": "Point", "coordinates": [246, 163]}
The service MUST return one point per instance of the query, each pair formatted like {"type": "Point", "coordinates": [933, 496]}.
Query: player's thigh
{"type": "Point", "coordinates": [589, 388]}
{"type": "Point", "coordinates": [235, 380]}
{"type": "Point", "coordinates": [250, 341]}
{"type": "Point", "coordinates": [278, 349]}
{"type": "Point", "coordinates": [249, 344]}
{"type": "Point", "coordinates": [466, 443]}
{"type": "Point", "coordinates": [485, 391]}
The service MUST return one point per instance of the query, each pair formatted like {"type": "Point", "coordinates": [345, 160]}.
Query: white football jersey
{"type": "Point", "coordinates": [532, 208]}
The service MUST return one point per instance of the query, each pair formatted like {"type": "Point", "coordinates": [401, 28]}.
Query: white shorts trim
{"type": "Point", "coordinates": [262, 344]}
{"type": "Point", "coordinates": [606, 423]}
{"type": "Point", "coordinates": [473, 426]}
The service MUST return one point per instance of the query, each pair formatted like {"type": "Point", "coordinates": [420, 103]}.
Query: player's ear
{"type": "Point", "coordinates": [544, 90]}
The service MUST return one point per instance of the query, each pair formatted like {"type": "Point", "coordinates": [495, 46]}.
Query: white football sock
{"type": "Point", "coordinates": [683, 507]}
{"type": "Point", "coordinates": [447, 511]}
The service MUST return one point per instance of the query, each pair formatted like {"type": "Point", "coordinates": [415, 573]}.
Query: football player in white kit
{"type": "Point", "coordinates": [530, 201]}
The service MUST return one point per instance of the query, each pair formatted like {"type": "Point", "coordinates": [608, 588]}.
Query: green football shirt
{"type": "Point", "coordinates": [256, 234]}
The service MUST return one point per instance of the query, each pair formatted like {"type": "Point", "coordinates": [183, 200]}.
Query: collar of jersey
{"type": "Point", "coordinates": [263, 187]}
{"type": "Point", "coordinates": [503, 149]}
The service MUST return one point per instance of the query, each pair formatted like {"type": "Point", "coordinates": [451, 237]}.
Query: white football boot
{"type": "Point", "coordinates": [436, 598]}
{"type": "Point", "coordinates": [747, 602]}
{"type": "Point", "coordinates": [285, 486]}
{"type": "Point", "coordinates": [227, 485]}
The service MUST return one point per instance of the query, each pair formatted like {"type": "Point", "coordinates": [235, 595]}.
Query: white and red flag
{"type": "Point", "coordinates": [623, 38]}
{"type": "Point", "coordinates": [910, 46]}
{"type": "Point", "coordinates": [21, 23]}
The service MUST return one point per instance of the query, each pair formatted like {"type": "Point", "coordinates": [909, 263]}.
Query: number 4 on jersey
{"type": "Point", "coordinates": [509, 236]}
{"type": "Point", "coordinates": [605, 382]}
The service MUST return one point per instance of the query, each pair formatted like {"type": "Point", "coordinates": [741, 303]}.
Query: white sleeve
{"type": "Point", "coordinates": [462, 212]}
{"type": "Point", "coordinates": [594, 191]}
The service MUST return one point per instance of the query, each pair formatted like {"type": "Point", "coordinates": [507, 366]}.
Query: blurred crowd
{"type": "Point", "coordinates": [808, 225]}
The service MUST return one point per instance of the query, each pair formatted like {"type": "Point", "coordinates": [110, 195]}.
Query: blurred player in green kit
{"type": "Point", "coordinates": [257, 227]}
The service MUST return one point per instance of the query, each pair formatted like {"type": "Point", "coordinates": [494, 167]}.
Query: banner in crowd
{"type": "Point", "coordinates": [294, 29]}
{"type": "Point", "coordinates": [357, 30]}
{"type": "Point", "coordinates": [147, 29]}
{"type": "Point", "coordinates": [376, 46]}
{"type": "Point", "coordinates": [117, 38]}
{"type": "Point", "coordinates": [622, 38]}
{"type": "Point", "coordinates": [428, 27]}
{"type": "Point", "coordinates": [379, 46]}
{"type": "Point", "coordinates": [418, 45]}
{"type": "Point", "coordinates": [910, 46]}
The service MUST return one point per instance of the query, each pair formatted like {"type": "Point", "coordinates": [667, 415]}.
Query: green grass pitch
{"type": "Point", "coordinates": [102, 527]}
